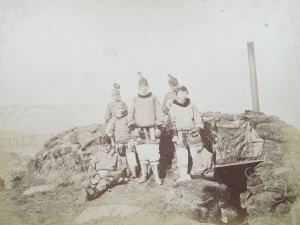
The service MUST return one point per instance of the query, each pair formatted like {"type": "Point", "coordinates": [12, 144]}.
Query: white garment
{"type": "Point", "coordinates": [131, 159]}
{"type": "Point", "coordinates": [148, 152]}
{"type": "Point", "coordinates": [182, 157]}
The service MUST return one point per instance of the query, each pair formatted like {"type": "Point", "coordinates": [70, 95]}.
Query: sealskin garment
{"type": "Point", "coordinates": [184, 117]}
{"type": "Point", "coordinates": [107, 161]}
{"type": "Point", "coordinates": [202, 162]}
{"type": "Point", "coordinates": [109, 168]}
{"type": "Point", "coordinates": [170, 96]}
{"type": "Point", "coordinates": [145, 111]}
{"type": "Point", "coordinates": [118, 129]}
{"type": "Point", "coordinates": [110, 110]}
{"type": "Point", "coordinates": [148, 135]}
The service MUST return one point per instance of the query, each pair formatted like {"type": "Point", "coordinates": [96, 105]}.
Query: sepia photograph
{"type": "Point", "coordinates": [149, 112]}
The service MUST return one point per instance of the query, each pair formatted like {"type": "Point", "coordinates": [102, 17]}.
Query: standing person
{"type": "Point", "coordinates": [110, 109]}
{"type": "Point", "coordinates": [122, 139]}
{"type": "Point", "coordinates": [166, 144]}
{"type": "Point", "coordinates": [184, 117]}
{"type": "Point", "coordinates": [147, 120]}
{"type": "Point", "coordinates": [171, 95]}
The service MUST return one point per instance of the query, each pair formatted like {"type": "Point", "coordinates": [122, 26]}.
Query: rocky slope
{"type": "Point", "coordinates": [271, 188]}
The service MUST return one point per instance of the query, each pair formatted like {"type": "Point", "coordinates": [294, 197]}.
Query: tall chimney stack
{"type": "Point", "coordinates": [253, 79]}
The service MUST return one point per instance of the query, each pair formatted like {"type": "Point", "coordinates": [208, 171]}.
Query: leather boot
{"type": "Point", "coordinates": [184, 176]}
{"type": "Point", "coordinates": [156, 174]}
{"type": "Point", "coordinates": [97, 193]}
{"type": "Point", "coordinates": [144, 172]}
{"type": "Point", "coordinates": [133, 172]}
{"type": "Point", "coordinates": [128, 172]}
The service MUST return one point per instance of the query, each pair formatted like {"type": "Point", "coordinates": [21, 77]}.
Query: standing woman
{"type": "Point", "coordinates": [145, 118]}
{"type": "Point", "coordinates": [184, 117]}
{"type": "Point", "coordinates": [166, 144]}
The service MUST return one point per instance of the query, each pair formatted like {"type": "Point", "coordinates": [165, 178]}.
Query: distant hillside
{"type": "Point", "coordinates": [48, 119]}
{"type": "Point", "coordinates": [10, 139]}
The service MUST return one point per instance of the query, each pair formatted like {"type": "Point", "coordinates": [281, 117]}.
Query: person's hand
{"type": "Point", "coordinates": [132, 126]}
{"type": "Point", "coordinates": [175, 139]}
{"type": "Point", "coordinates": [131, 144]}
{"type": "Point", "coordinates": [216, 147]}
{"type": "Point", "coordinates": [112, 143]}
{"type": "Point", "coordinates": [169, 103]}
{"type": "Point", "coordinates": [136, 132]}
{"type": "Point", "coordinates": [161, 128]}
{"type": "Point", "coordinates": [157, 133]}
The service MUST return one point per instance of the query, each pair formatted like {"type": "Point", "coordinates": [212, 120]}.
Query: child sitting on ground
{"type": "Point", "coordinates": [203, 164]}
{"type": "Point", "coordinates": [106, 170]}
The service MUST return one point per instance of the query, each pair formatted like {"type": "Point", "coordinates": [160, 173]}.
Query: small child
{"type": "Point", "coordinates": [106, 170]}
{"type": "Point", "coordinates": [203, 163]}
{"type": "Point", "coordinates": [122, 139]}
{"type": "Point", "coordinates": [116, 95]}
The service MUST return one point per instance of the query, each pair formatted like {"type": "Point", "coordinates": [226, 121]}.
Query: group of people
{"type": "Point", "coordinates": [134, 133]}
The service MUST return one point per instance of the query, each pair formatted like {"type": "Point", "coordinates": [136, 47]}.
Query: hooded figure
{"type": "Point", "coordinates": [171, 95]}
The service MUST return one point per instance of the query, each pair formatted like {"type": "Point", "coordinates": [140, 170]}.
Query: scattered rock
{"type": "Point", "coordinates": [39, 189]}
{"type": "Point", "coordinates": [15, 177]}
{"type": "Point", "coordinates": [8, 185]}
{"type": "Point", "coordinates": [202, 200]}
{"type": "Point", "coordinates": [268, 191]}
{"type": "Point", "coordinates": [98, 212]}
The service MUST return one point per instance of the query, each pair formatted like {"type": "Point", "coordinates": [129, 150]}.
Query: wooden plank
{"type": "Point", "coordinates": [239, 163]}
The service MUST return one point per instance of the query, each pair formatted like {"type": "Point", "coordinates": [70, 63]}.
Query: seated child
{"type": "Point", "coordinates": [120, 134]}
{"type": "Point", "coordinates": [106, 170]}
{"type": "Point", "coordinates": [202, 159]}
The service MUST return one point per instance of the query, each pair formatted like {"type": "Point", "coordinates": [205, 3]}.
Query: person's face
{"type": "Point", "coordinates": [120, 110]}
{"type": "Point", "coordinates": [143, 89]}
{"type": "Point", "coordinates": [199, 147]}
{"type": "Point", "coordinates": [116, 98]}
{"type": "Point", "coordinates": [106, 147]}
{"type": "Point", "coordinates": [174, 88]}
{"type": "Point", "coordinates": [182, 95]}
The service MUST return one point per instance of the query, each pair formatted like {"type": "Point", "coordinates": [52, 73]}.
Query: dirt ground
{"type": "Point", "coordinates": [61, 206]}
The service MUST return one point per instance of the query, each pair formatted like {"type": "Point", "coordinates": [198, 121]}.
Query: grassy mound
{"type": "Point", "coordinates": [271, 190]}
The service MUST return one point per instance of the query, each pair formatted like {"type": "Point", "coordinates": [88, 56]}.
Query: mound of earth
{"type": "Point", "coordinates": [47, 193]}
{"type": "Point", "coordinates": [272, 186]}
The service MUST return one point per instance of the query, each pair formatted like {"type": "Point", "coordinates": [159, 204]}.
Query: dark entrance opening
{"type": "Point", "coordinates": [234, 177]}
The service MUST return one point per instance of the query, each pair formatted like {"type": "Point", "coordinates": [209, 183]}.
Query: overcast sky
{"type": "Point", "coordinates": [63, 51]}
